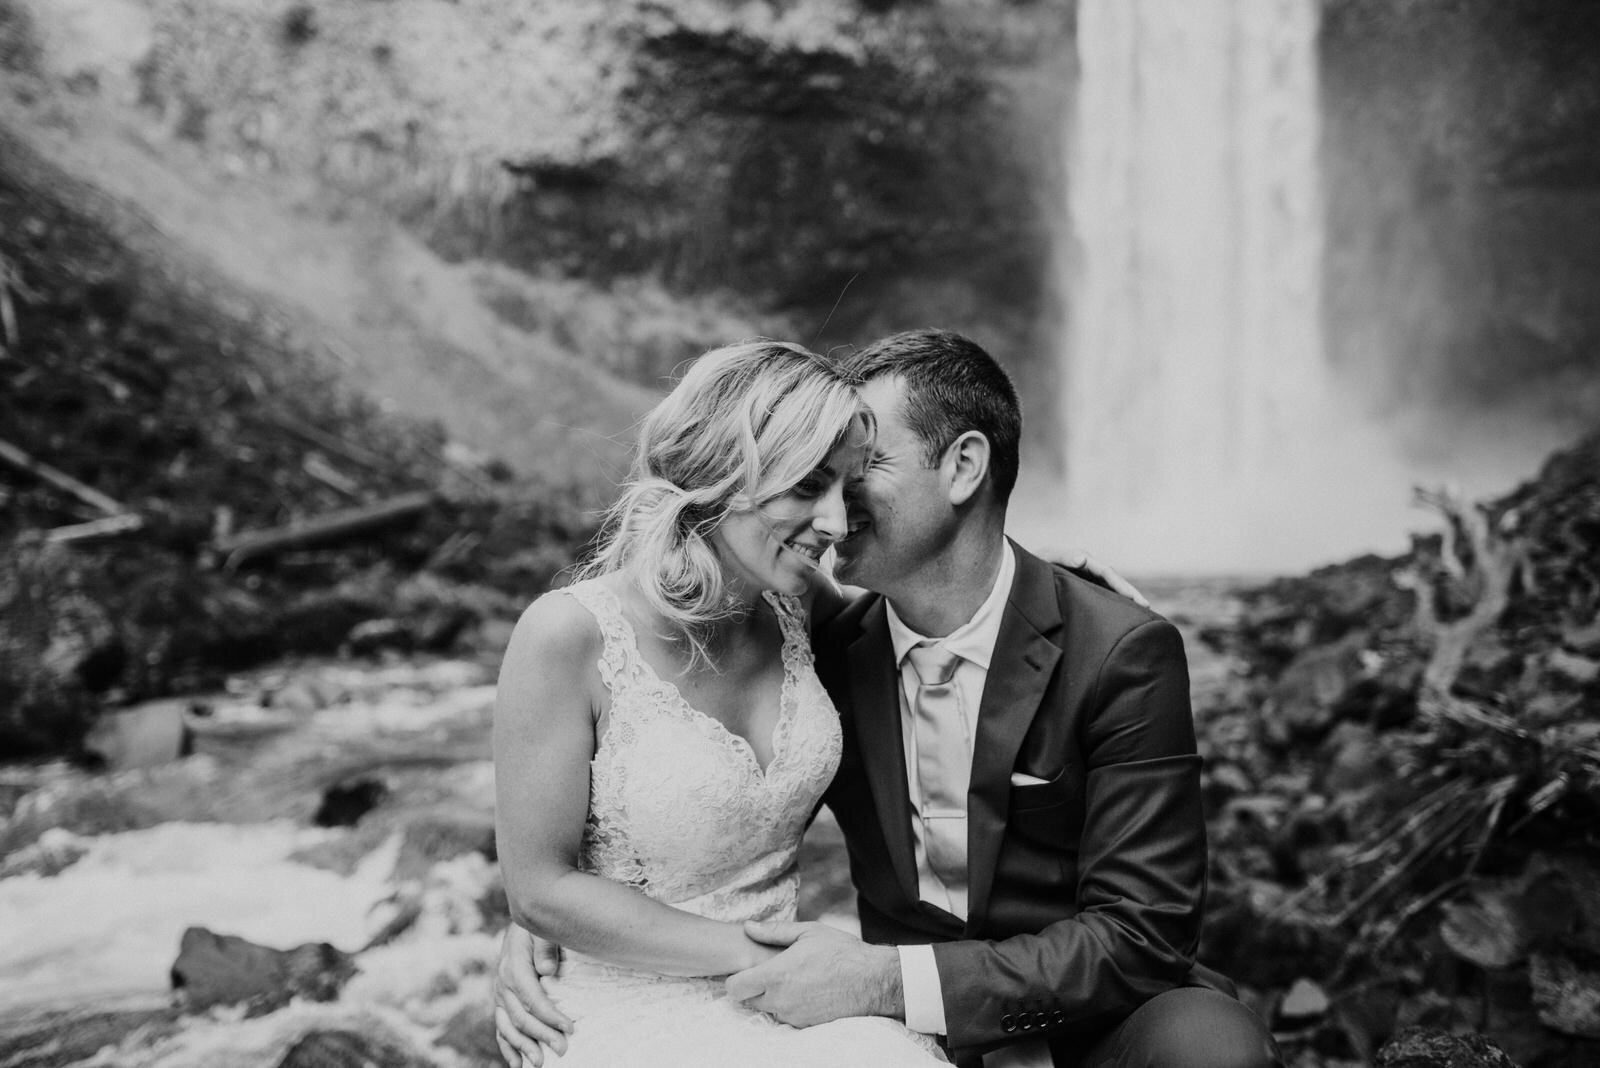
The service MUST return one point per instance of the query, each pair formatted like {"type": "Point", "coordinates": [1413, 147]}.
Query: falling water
{"type": "Point", "coordinates": [1194, 359]}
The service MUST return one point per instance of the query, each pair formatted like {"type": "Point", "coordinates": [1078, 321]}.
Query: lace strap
{"type": "Point", "coordinates": [793, 622]}
{"type": "Point", "coordinates": [620, 665]}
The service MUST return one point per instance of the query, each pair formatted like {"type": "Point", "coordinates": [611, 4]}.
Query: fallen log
{"type": "Point", "coordinates": [335, 526]}
{"type": "Point", "coordinates": [20, 460]}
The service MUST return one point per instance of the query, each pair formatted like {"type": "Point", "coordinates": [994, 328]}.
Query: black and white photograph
{"type": "Point", "coordinates": [799, 533]}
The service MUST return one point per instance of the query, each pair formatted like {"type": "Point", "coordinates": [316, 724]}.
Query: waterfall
{"type": "Point", "coordinates": [1200, 424]}
{"type": "Point", "coordinates": [1194, 372]}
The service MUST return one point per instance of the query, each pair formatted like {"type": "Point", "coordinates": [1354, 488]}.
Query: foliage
{"type": "Point", "coordinates": [204, 415]}
{"type": "Point", "coordinates": [1406, 787]}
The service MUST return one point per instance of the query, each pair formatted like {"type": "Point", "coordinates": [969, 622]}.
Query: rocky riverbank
{"type": "Point", "coordinates": [1404, 778]}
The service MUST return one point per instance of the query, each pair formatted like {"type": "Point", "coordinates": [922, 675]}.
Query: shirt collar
{"type": "Point", "coordinates": [973, 640]}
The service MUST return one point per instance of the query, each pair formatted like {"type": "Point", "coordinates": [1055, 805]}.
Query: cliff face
{"type": "Point", "coordinates": [649, 179]}
{"type": "Point", "coordinates": [763, 154]}
{"type": "Point", "coordinates": [1463, 183]}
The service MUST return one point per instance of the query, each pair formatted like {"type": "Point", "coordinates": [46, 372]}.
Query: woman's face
{"type": "Point", "coordinates": [780, 544]}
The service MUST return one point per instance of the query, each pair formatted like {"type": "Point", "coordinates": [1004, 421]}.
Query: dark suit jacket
{"type": "Point", "coordinates": [1085, 891]}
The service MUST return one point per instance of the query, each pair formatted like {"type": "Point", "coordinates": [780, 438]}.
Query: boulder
{"type": "Point", "coordinates": [56, 850]}
{"type": "Point", "coordinates": [1420, 1047]}
{"type": "Point", "coordinates": [349, 1049]}
{"type": "Point", "coordinates": [470, 1032]}
{"type": "Point", "coordinates": [58, 1037]}
{"type": "Point", "coordinates": [214, 969]}
{"type": "Point", "coordinates": [142, 736]}
{"type": "Point", "coordinates": [1566, 992]}
{"type": "Point", "coordinates": [442, 835]}
{"type": "Point", "coordinates": [344, 803]}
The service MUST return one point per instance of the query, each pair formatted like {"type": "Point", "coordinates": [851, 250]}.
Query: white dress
{"type": "Point", "coordinates": [680, 810]}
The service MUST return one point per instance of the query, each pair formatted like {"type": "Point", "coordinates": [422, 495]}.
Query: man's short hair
{"type": "Point", "coordinates": [952, 386]}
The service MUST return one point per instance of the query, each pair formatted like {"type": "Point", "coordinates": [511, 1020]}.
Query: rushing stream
{"type": "Point", "coordinates": [101, 872]}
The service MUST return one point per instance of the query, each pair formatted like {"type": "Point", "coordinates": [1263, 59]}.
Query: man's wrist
{"type": "Point", "coordinates": [888, 994]}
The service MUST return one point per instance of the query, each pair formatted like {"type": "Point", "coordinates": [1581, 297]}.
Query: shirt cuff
{"type": "Point", "coordinates": [919, 982]}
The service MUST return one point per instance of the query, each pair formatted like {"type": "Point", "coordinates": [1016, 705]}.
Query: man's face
{"type": "Point", "coordinates": [899, 511]}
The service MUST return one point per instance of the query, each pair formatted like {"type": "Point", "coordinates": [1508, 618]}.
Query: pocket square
{"type": "Point", "coordinates": [1019, 778]}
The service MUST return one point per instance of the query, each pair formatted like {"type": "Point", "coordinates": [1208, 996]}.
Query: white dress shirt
{"type": "Point", "coordinates": [974, 642]}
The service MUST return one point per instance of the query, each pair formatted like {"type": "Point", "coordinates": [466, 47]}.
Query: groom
{"type": "Point", "coordinates": [1019, 790]}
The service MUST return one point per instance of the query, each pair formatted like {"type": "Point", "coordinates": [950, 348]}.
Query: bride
{"type": "Point", "coordinates": [661, 738]}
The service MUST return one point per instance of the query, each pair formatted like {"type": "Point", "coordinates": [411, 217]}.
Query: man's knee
{"type": "Point", "coordinates": [1195, 1028]}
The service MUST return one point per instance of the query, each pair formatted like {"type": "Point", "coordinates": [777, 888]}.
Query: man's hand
{"type": "Point", "coordinates": [525, 1019]}
{"type": "Point", "coordinates": [824, 974]}
{"type": "Point", "coordinates": [1078, 560]}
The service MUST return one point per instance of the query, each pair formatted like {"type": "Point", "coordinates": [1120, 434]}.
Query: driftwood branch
{"type": "Point", "coordinates": [330, 476]}
{"type": "Point", "coordinates": [1477, 555]}
{"type": "Point", "coordinates": [20, 460]}
{"type": "Point", "coordinates": [335, 526]}
{"type": "Point", "coordinates": [109, 527]}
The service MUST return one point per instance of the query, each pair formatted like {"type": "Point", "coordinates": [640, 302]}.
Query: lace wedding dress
{"type": "Point", "coordinates": [680, 809]}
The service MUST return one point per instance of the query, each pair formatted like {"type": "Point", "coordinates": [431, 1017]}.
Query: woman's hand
{"type": "Point", "coordinates": [1078, 560]}
{"type": "Point", "coordinates": [525, 1019]}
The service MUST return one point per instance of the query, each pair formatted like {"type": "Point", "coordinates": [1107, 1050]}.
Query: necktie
{"type": "Point", "coordinates": [944, 766]}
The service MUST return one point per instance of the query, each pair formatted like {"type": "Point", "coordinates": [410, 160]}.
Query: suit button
{"type": "Point", "coordinates": [1024, 1020]}
{"type": "Point", "coordinates": [1008, 1023]}
{"type": "Point", "coordinates": [1058, 1017]}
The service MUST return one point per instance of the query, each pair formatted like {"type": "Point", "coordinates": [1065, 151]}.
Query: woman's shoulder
{"type": "Point", "coordinates": [559, 626]}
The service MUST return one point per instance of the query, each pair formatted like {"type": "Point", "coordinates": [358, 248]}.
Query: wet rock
{"type": "Point", "coordinates": [1303, 1005]}
{"type": "Point", "coordinates": [470, 1032]}
{"type": "Point", "coordinates": [1573, 897]}
{"type": "Point", "coordinates": [57, 1038]}
{"type": "Point", "coordinates": [462, 895]}
{"type": "Point", "coordinates": [1251, 940]}
{"type": "Point", "coordinates": [1306, 694]}
{"type": "Point", "coordinates": [1488, 929]}
{"type": "Point", "coordinates": [1549, 707]}
{"type": "Point", "coordinates": [1584, 640]}
{"type": "Point", "coordinates": [440, 836]}
{"type": "Point", "coordinates": [142, 736]}
{"type": "Point", "coordinates": [374, 636]}
{"type": "Point", "coordinates": [1566, 992]}
{"type": "Point", "coordinates": [214, 969]}
{"type": "Point", "coordinates": [56, 850]}
{"type": "Point", "coordinates": [1418, 1047]}
{"type": "Point", "coordinates": [1357, 760]}
{"type": "Point", "coordinates": [438, 629]}
{"type": "Point", "coordinates": [343, 804]}
{"type": "Point", "coordinates": [1574, 668]}
{"type": "Point", "coordinates": [302, 695]}
{"type": "Point", "coordinates": [349, 1049]}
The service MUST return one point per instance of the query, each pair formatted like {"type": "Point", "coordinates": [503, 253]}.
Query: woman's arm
{"type": "Point", "coordinates": [544, 739]}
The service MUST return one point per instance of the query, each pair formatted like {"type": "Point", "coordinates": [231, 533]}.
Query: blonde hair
{"type": "Point", "coordinates": [744, 425]}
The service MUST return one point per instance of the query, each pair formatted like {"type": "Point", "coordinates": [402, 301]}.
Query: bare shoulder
{"type": "Point", "coordinates": [555, 635]}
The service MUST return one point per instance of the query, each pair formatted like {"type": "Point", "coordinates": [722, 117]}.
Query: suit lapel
{"type": "Point", "coordinates": [875, 696]}
{"type": "Point", "coordinates": [1025, 656]}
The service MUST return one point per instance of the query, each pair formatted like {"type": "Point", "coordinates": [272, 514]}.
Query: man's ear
{"type": "Point", "coordinates": [966, 464]}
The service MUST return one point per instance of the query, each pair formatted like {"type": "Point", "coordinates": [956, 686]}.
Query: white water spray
{"type": "Point", "coordinates": [1194, 357]}
{"type": "Point", "coordinates": [1203, 429]}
